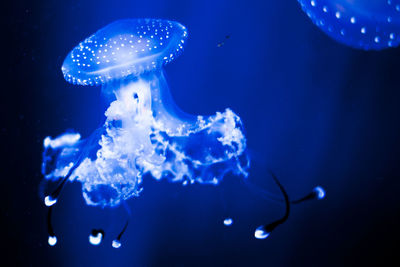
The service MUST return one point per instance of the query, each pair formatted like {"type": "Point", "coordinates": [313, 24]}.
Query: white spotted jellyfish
{"type": "Point", "coordinates": [361, 24]}
{"type": "Point", "coordinates": [144, 132]}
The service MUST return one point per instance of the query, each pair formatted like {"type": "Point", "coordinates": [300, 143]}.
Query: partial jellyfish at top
{"type": "Point", "coordinates": [144, 132]}
{"type": "Point", "coordinates": [361, 24]}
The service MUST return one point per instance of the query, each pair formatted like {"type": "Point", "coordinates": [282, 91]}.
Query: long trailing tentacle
{"type": "Point", "coordinates": [317, 193]}
{"type": "Point", "coordinates": [52, 240]}
{"type": "Point", "coordinates": [116, 243]}
{"type": "Point", "coordinates": [51, 199]}
{"type": "Point", "coordinates": [264, 231]}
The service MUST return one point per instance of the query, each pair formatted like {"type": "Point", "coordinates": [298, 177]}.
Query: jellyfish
{"type": "Point", "coordinates": [144, 132]}
{"type": "Point", "coordinates": [361, 24]}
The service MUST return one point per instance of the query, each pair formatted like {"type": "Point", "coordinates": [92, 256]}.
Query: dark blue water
{"type": "Point", "coordinates": [315, 112]}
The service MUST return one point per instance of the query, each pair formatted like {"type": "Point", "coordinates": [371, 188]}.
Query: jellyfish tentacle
{"type": "Point", "coordinates": [52, 198]}
{"type": "Point", "coordinates": [116, 243]}
{"type": "Point", "coordinates": [52, 239]}
{"type": "Point", "coordinates": [264, 231]}
{"type": "Point", "coordinates": [261, 192]}
{"type": "Point", "coordinates": [228, 220]}
{"type": "Point", "coordinates": [317, 193]}
{"type": "Point", "coordinates": [96, 237]}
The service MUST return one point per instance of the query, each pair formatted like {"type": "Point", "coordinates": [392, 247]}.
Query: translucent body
{"type": "Point", "coordinates": [143, 133]}
{"type": "Point", "coordinates": [362, 24]}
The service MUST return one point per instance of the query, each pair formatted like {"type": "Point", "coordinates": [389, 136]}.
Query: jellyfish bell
{"type": "Point", "coordinates": [126, 59]}
{"type": "Point", "coordinates": [122, 48]}
{"type": "Point", "coordinates": [361, 24]}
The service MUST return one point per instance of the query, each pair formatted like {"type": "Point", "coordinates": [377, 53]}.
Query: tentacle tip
{"type": "Point", "coordinates": [52, 240]}
{"type": "Point", "coordinates": [261, 233]}
{"type": "Point", "coordinates": [320, 192]}
{"type": "Point", "coordinates": [50, 201]}
{"type": "Point", "coordinates": [228, 221]}
{"type": "Point", "coordinates": [95, 238]}
{"type": "Point", "coordinates": [116, 243]}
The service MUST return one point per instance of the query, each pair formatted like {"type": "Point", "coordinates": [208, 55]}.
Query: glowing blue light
{"type": "Point", "coordinates": [320, 192]}
{"type": "Point", "coordinates": [360, 24]}
{"type": "Point", "coordinates": [49, 201]}
{"type": "Point", "coordinates": [116, 244]}
{"type": "Point", "coordinates": [52, 240]}
{"type": "Point", "coordinates": [95, 240]}
{"type": "Point", "coordinates": [260, 233]}
{"type": "Point", "coordinates": [144, 131]}
{"type": "Point", "coordinates": [228, 221]}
